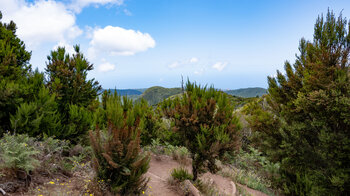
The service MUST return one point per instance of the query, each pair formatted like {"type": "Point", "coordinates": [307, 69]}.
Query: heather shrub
{"type": "Point", "coordinates": [203, 117]}
{"type": "Point", "coordinates": [118, 159]}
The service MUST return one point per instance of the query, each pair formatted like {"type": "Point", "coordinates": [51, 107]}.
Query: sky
{"type": "Point", "coordinates": [142, 43]}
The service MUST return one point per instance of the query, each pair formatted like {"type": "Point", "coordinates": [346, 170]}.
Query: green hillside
{"type": "Point", "coordinates": [157, 94]}
{"type": "Point", "coordinates": [247, 92]}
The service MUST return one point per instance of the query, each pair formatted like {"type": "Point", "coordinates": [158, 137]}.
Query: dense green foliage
{"type": "Point", "coordinates": [13, 56]}
{"type": "Point", "coordinates": [67, 78]}
{"type": "Point", "coordinates": [118, 157]}
{"type": "Point", "coordinates": [14, 70]}
{"type": "Point", "coordinates": [74, 94]}
{"type": "Point", "coordinates": [247, 92]}
{"type": "Point", "coordinates": [39, 117]}
{"type": "Point", "coordinates": [307, 120]}
{"type": "Point", "coordinates": [204, 120]}
{"type": "Point", "coordinates": [59, 107]}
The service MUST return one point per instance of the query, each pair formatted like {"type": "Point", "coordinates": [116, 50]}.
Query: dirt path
{"type": "Point", "coordinates": [159, 172]}
{"type": "Point", "coordinates": [158, 185]}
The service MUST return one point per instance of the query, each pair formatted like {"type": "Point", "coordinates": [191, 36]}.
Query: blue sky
{"type": "Point", "coordinates": [138, 44]}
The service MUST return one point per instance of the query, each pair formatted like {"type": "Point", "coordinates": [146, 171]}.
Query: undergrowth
{"type": "Point", "coordinates": [254, 170]}
{"type": "Point", "coordinates": [181, 174]}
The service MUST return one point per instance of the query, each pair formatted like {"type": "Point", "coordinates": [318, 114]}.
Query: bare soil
{"type": "Point", "coordinates": [159, 174]}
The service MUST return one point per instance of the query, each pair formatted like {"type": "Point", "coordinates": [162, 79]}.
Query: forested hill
{"type": "Point", "coordinates": [157, 94]}
{"type": "Point", "coordinates": [247, 92]}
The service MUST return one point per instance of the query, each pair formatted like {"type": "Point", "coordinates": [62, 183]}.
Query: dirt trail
{"type": "Point", "coordinates": [158, 173]}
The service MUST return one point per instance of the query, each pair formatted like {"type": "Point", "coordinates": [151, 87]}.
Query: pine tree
{"type": "Point", "coordinates": [312, 102]}
{"type": "Point", "coordinates": [14, 73]}
{"type": "Point", "coordinates": [14, 59]}
{"type": "Point", "coordinates": [67, 78]}
{"type": "Point", "coordinates": [204, 119]}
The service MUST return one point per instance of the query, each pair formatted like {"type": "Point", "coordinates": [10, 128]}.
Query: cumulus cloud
{"type": "Point", "coordinates": [40, 21]}
{"type": "Point", "coordinates": [69, 48]}
{"type": "Point", "coordinates": [119, 41]}
{"type": "Point", "coordinates": [106, 67]}
{"type": "Point", "coordinates": [78, 5]}
{"type": "Point", "coordinates": [219, 66]}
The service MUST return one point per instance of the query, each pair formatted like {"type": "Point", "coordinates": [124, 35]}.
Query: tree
{"type": "Point", "coordinates": [14, 73]}
{"type": "Point", "coordinates": [38, 117]}
{"type": "Point", "coordinates": [204, 119]}
{"type": "Point", "coordinates": [14, 59]}
{"type": "Point", "coordinates": [312, 102]}
{"type": "Point", "coordinates": [67, 78]}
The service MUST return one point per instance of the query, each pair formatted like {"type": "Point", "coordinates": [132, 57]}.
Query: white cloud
{"type": "Point", "coordinates": [177, 64]}
{"type": "Point", "coordinates": [193, 60]}
{"type": "Point", "coordinates": [40, 21]}
{"type": "Point", "coordinates": [219, 66]}
{"type": "Point", "coordinates": [119, 41]}
{"type": "Point", "coordinates": [106, 67]}
{"type": "Point", "coordinates": [78, 5]}
{"type": "Point", "coordinates": [69, 48]}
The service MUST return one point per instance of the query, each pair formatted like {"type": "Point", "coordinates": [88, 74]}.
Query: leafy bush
{"type": "Point", "coordinates": [181, 174]}
{"type": "Point", "coordinates": [118, 159]}
{"type": "Point", "coordinates": [204, 120]}
{"type": "Point", "coordinates": [17, 154]}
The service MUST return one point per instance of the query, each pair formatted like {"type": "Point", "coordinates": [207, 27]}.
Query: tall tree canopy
{"type": "Point", "coordinates": [67, 78]}
{"type": "Point", "coordinates": [14, 59]}
{"type": "Point", "coordinates": [75, 94]}
{"type": "Point", "coordinates": [14, 72]}
{"type": "Point", "coordinates": [312, 102]}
